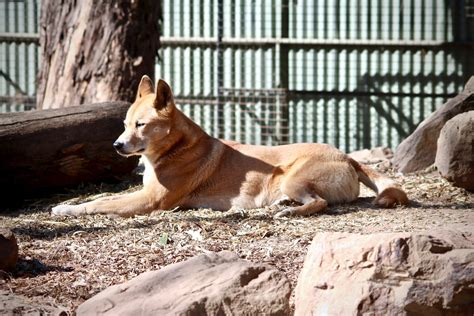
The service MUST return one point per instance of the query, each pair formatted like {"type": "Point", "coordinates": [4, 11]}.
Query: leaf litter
{"type": "Point", "coordinates": [66, 260]}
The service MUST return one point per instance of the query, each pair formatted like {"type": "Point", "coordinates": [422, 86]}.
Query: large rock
{"type": "Point", "coordinates": [209, 284]}
{"type": "Point", "coordinates": [455, 155]}
{"type": "Point", "coordinates": [14, 304]}
{"type": "Point", "coordinates": [429, 273]}
{"type": "Point", "coordinates": [418, 150]}
{"type": "Point", "coordinates": [8, 250]}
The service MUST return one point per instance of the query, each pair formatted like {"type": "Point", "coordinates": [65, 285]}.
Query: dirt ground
{"type": "Point", "coordinates": [65, 260]}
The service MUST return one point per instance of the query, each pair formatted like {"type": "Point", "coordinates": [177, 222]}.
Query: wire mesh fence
{"type": "Point", "coordinates": [19, 54]}
{"type": "Point", "coordinates": [353, 73]}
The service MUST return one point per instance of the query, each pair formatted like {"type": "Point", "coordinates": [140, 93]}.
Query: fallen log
{"type": "Point", "coordinates": [43, 151]}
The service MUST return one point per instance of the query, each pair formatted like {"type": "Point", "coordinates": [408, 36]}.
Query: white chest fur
{"type": "Point", "coordinates": [149, 173]}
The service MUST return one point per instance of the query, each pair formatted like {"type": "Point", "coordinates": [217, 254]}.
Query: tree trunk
{"type": "Point", "coordinates": [95, 51]}
{"type": "Point", "coordinates": [45, 150]}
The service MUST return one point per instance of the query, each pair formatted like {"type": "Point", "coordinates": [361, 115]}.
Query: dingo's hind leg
{"type": "Point", "coordinates": [300, 192]}
{"type": "Point", "coordinates": [312, 205]}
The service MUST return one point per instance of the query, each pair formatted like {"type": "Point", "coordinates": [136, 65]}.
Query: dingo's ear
{"type": "Point", "coordinates": [164, 96]}
{"type": "Point", "coordinates": [145, 87]}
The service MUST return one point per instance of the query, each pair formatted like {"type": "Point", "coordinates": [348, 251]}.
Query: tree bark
{"type": "Point", "coordinates": [41, 151]}
{"type": "Point", "coordinates": [95, 51]}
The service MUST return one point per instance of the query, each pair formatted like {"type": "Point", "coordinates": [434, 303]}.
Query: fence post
{"type": "Point", "coordinates": [220, 69]}
{"type": "Point", "coordinates": [284, 80]}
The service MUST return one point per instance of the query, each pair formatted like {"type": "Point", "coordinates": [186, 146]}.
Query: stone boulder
{"type": "Point", "coordinates": [418, 151]}
{"type": "Point", "coordinates": [455, 155]}
{"type": "Point", "coordinates": [427, 273]}
{"type": "Point", "coordinates": [208, 284]}
{"type": "Point", "coordinates": [14, 304]}
{"type": "Point", "coordinates": [8, 250]}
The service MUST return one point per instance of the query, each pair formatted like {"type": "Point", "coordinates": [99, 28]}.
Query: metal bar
{"type": "Point", "coordinates": [191, 76]}
{"type": "Point", "coordinates": [325, 72]}
{"type": "Point", "coordinates": [18, 99]}
{"type": "Point", "coordinates": [446, 21]}
{"type": "Point", "coordinates": [355, 94]}
{"type": "Point", "coordinates": [273, 23]}
{"type": "Point", "coordinates": [241, 127]}
{"type": "Point", "coordinates": [358, 76]}
{"type": "Point", "coordinates": [201, 53]}
{"type": "Point", "coordinates": [312, 42]}
{"type": "Point", "coordinates": [400, 21]}
{"type": "Point", "coordinates": [7, 46]}
{"type": "Point", "coordinates": [232, 24]}
{"type": "Point", "coordinates": [347, 103]}
{"type": "Point", "coordinates": [325, 19]}
{"type": "Point", "coordinates": [347, 79]}
{"type": "Point", "coordinates": [390, 69]}
{"type": "Point", "coordinates": [36, 16]}
{"type": "Point", "coordinates": [369, 20]}
{"type": "Point", "coordinates": [293, 20]}
{"type": "Point", "coordinates": [378, 103]}
{"type": "Point", "coordinates": [265, 103]}
{"type": "Point", "coordinates": [337, 16]}
{"type": "Point", "coordinates": [434, 31]}
{"type": "Point", "coordinates": [423, 20]}
{"type": "Point", "coordinates": [412, 20]}
{"type": "Point", "coordinates": [35, 29]}
{"type": "Point", "coordinates": [253, 72]}
{"type": "Point", "coordinates": [19, 38]}
{"type": "Point", "coordinates": [337, 102]}
{"type": "Point", "coordinates": [305, 20]}
{"type": "Point", "coordinates": [26, 50]}
{"type": "Point", "coordinates": [284, 73]}
{"type": "Point", "coordinates": [379, 19]}
{"type": "Point", "coordinates": [367, 124]}
{"type": "Point", "coordinates": [325, 100]}
{"type": "Point", "coordinates": [390, 20]}
{"type": "Point", "coordinates": [366, 118]}
{"type": "Point", "coordinates": [273, 91]}
{"type": "Point", "coordinates": [182, 61]}
{"type": "Point", "coordinates": [220, 67]}
{"type": "Point", "coordinates": [17, 46]}
{"type": "Point", "coordinates": [233, 81]}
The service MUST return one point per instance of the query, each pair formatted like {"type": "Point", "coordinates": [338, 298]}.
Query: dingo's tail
{"type": "Point", "coordinates": [389, 193]}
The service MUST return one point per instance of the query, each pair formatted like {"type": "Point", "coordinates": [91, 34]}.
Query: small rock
{"type": "Point", "coordinates": [455, 156]}
{"type": "Point", "coordinates": [427, 273]}
{"type": "Point", "coordinates": [208, 284]}
{"type": "Point", "coordinates": [372, 156]}
{"type": "Point", "coordinates": [418, 151]}
{"type": "Point", "coordinates": [8, 250]}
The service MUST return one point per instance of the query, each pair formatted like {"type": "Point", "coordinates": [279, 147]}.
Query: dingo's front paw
{"type": "Point", "coordinates": [66, 210]}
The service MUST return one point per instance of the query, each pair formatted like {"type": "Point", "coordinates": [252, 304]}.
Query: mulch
{"type": "Point", "coordinates": [66, 260]}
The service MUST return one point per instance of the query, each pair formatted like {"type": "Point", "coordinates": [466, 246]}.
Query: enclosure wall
{"type": "Point", "coordinates": [353, 73]}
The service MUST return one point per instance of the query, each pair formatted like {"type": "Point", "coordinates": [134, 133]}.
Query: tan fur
{"type": "Point", "coordinates": [185, 167]}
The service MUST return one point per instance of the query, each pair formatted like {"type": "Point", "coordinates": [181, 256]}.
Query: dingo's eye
{"type": "Point", "coordinates": [138, 124]}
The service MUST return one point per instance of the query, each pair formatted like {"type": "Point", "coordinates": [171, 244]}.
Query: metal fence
{"type": "Point", "coordinates": [353, 73]}
{"type": "Point", "coordinates": [19, 54]}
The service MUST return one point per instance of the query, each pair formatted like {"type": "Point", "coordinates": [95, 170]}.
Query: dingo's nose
{"type": "Point", "coordinates": [118, 145]}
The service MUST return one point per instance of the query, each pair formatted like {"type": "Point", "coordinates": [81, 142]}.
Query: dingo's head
{"type": "Point", "coordinates": [148, 120]}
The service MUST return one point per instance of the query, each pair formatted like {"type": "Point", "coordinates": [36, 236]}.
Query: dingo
{"type": "Point", "coordinates": [186, 167]}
